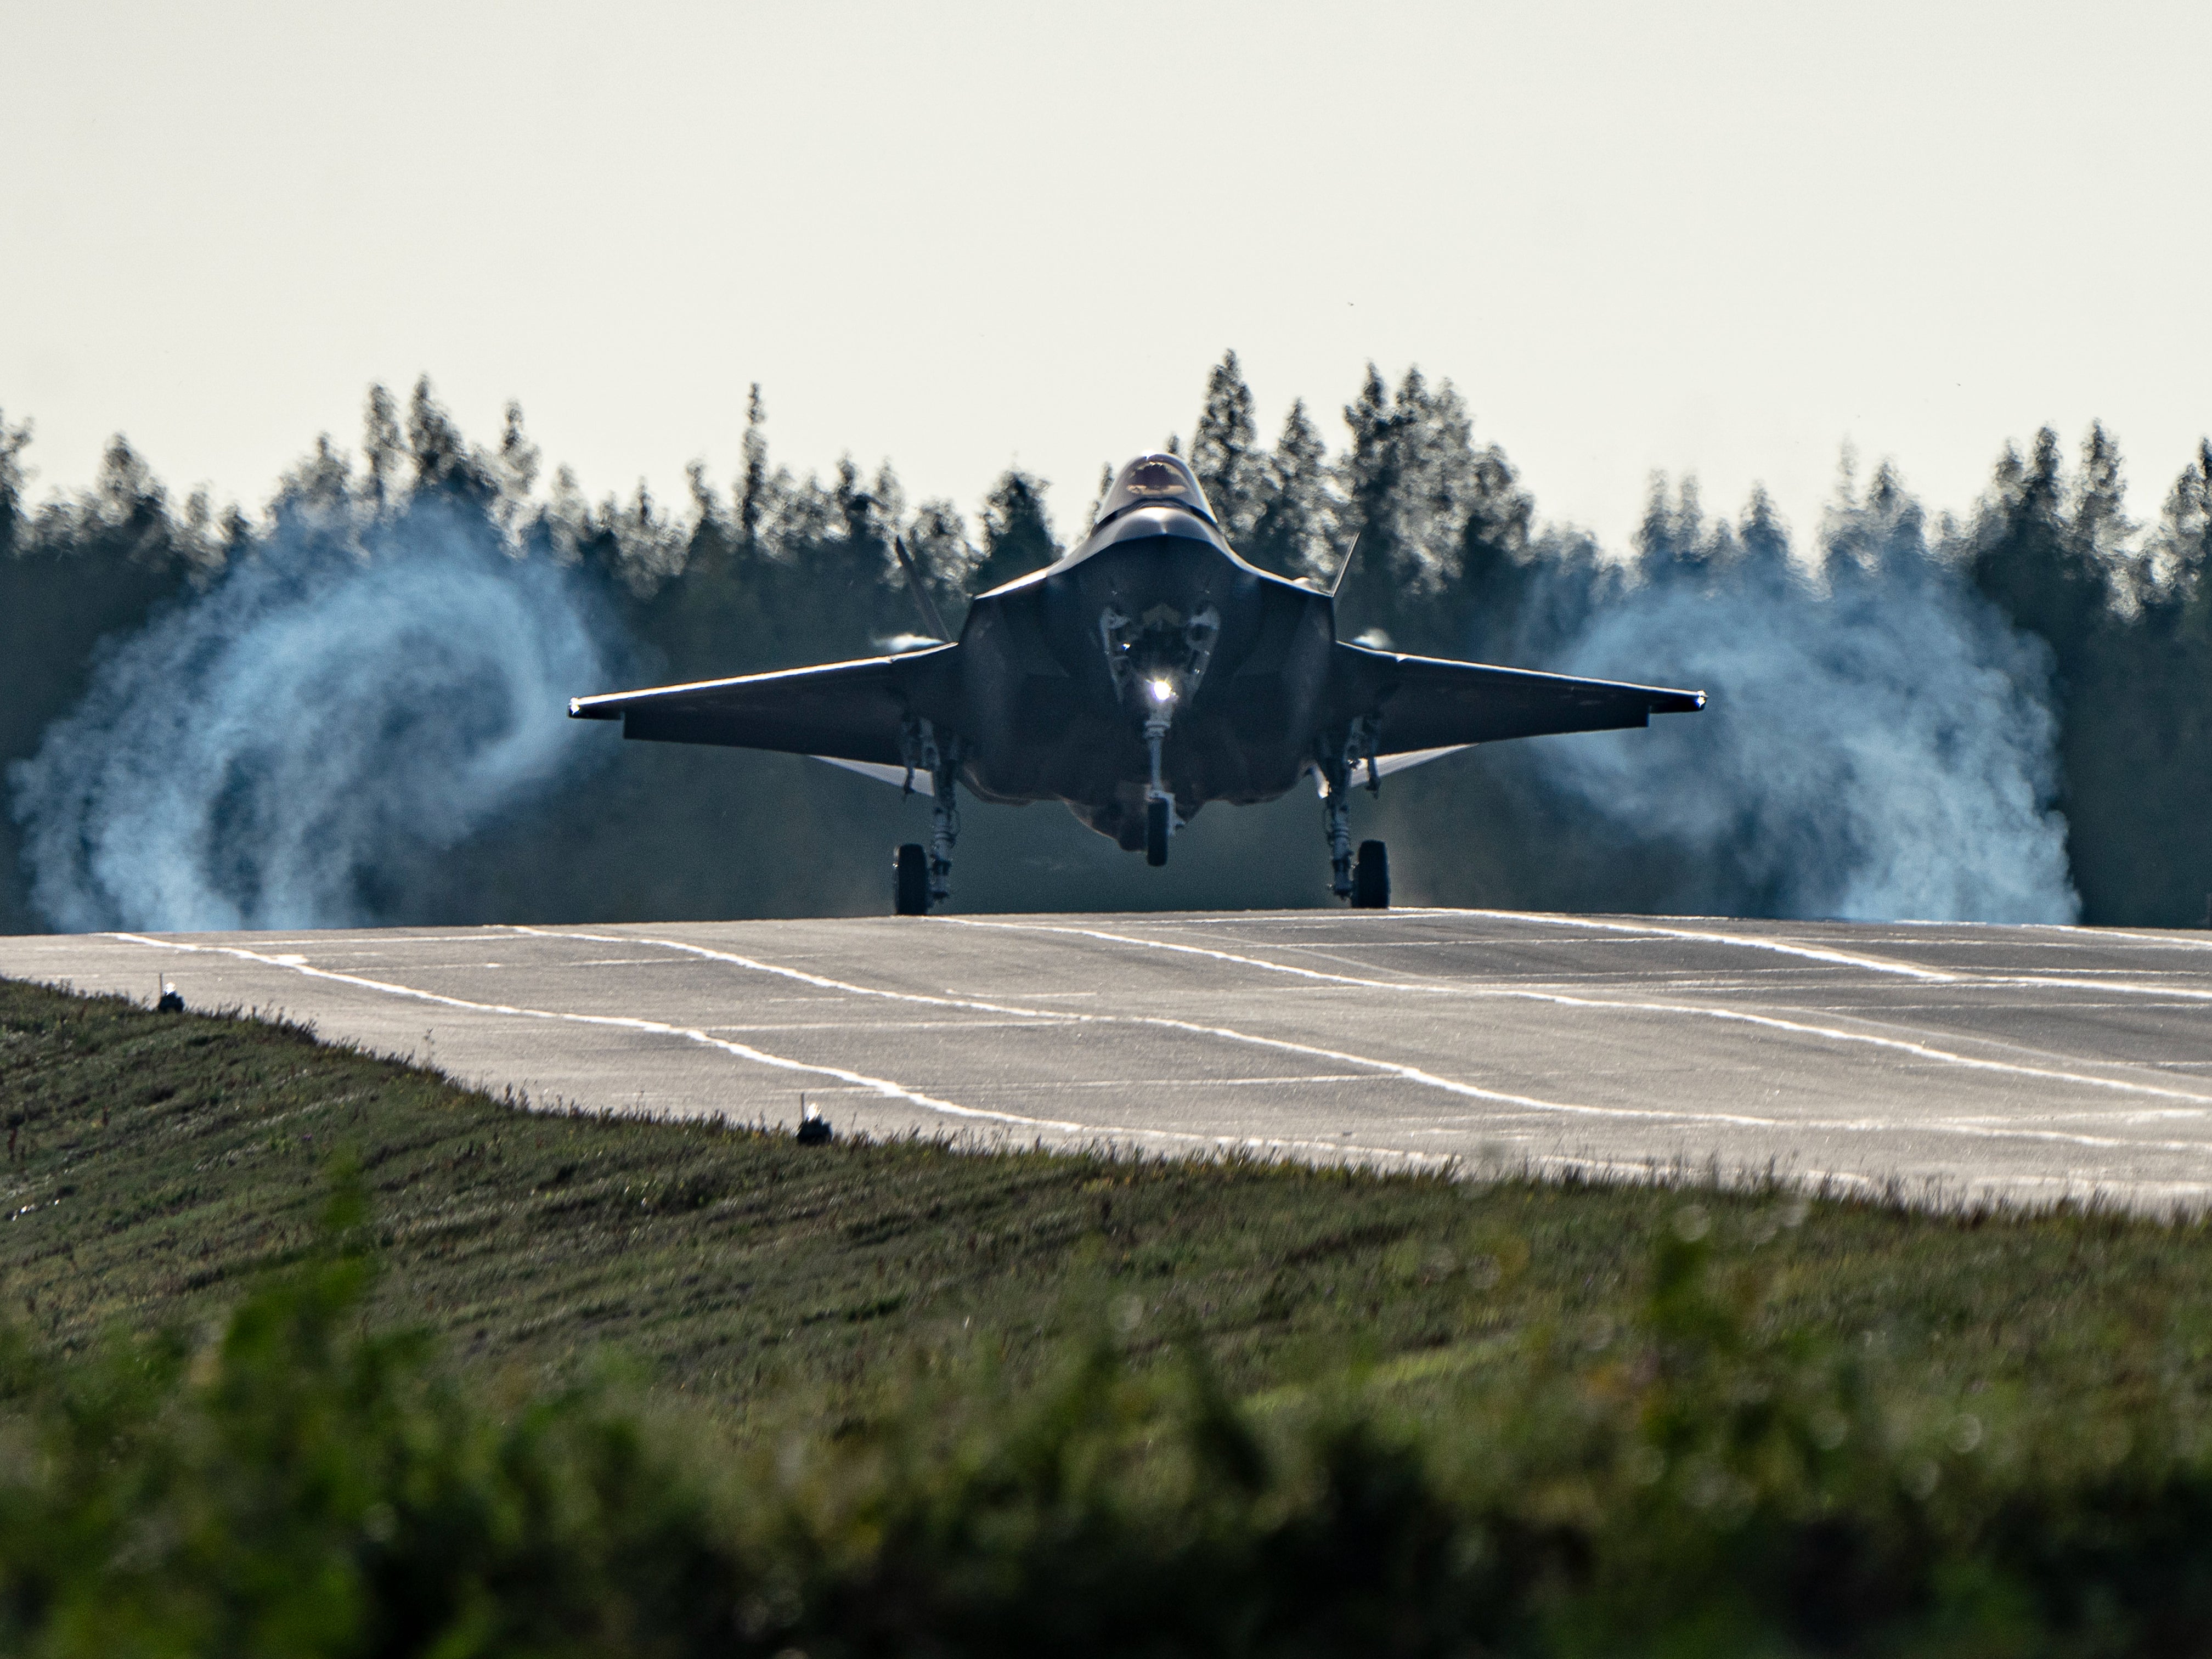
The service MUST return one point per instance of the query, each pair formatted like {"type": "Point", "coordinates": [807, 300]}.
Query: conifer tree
{"type": "Point", "coordinates": [2026, 557]}
{"type": "Point", "coordinates": [1224, 452]}
{"type": "Point", "coordinates": [755, 485]}
{"type": "Point", "coordinates": [14, 440]}
{"type": "Point", "coordinates": [517, 463]}
{"type": "Point", "coordinates": [2044, 568]}
{"type": "Point", "coordinates": [131, 505]}
{"type": "Point", "coordinates": [854, 565]}
{"type": "Point", "coordinates": [2185, 542]}
{"type": "Point", "coordinates": [1017, 535]}
{"type": "Point", "coordinates": [1371, 468]}
{"type": "Point", "coordinates": [1411, 475]}
{"type": "Point", "coordinates": [1492, 564]}
{"type": "Point", "coordinates": [937, 539]}
{"type": "Point", "coordinates": [1760, 537]}
{"type": "Point", "coordinates": [314, 501]}
{"type": "Point", "coordinates": [1294, 534]}
{"type": "Point", "coordinates": [446, 466]}
{"type": "Point", "coordinates": [1098, 501]}
{"type": "Point", "coordinates": [857, 528]}
{"type": "Point", "coordinates": [381, 449]}
{"type": "Point", "coordinates": [2102, 534]}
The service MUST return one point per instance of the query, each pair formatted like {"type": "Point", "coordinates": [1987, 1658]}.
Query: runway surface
{"type": "Point", "coordinates": [2031, 1061]}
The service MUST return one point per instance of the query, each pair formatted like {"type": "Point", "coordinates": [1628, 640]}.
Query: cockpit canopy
{"type": "Point", "coordinates": [1155, 481]}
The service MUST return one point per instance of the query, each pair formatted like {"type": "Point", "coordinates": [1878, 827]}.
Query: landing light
{"type": "Point", "coordinates": [1162, 689]}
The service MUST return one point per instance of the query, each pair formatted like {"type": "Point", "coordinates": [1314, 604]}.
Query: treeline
{"type": "Point", "coordinates": [774, 569]}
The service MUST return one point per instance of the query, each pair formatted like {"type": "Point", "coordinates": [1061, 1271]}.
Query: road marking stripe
{"type": "Point", "coordinates": [1970, 977]}
{"type": "Point", "coordinates": [1560, 999]}
{"type": "Point", "coordinates": [2200, 1103]}
{"type": "Point", "coordinates": [1391, 1068]}
{"type": "Point", "coordinates": [878, 1086]}
{"type": "Point", "coordinates": [654, 1027]}
{"type": "Point", "coordinates": [1068, 1017]}
{"type": "Point", "coordinates": [1742, 941]}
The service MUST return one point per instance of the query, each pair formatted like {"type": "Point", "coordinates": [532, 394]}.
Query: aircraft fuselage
{"type": "Point", "coordinates": [1152, 621]}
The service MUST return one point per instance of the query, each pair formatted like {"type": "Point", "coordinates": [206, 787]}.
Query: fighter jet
{"type": "Point", "coordinates": [1147, 673]}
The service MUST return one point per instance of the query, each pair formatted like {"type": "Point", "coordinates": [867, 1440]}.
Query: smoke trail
{"type": "Point", "coordinates": [1880, 743]}
{"type": "Point", "coordinates": [274, 753]}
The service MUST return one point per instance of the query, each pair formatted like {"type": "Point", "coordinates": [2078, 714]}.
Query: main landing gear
{"type": "Point", "coordinates": [910, 880]}
{"type": "Point", "coordinates": [1371, 877]}
{"type": "Point", "coordinates": [1365, 884]}
{"type": "Point", "coordinates": [921, 878]}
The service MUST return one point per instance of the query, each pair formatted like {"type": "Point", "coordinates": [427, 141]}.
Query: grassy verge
{"type": "Point", "coordinates": [1008, 1404]}
{"type": "Point", "coordinates": [156, 1163]}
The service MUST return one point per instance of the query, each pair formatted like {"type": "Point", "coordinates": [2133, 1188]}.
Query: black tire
{"type": "Point", "coordinates": [1371, 877]}
{"type": "Point", "coordinates": [1156, 833]}
{"type": "Point", "coordinates": [911, 887]}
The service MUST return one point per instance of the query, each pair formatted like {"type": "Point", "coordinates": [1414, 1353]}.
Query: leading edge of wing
{"type": "Point", "coordinates": [1402, 761]}
{"type": "Point", "coordinates": [1434, 703]}
{"type": "Point", "coordinates": [899, 777]}
{"type": "Point", "coordinates": [851, 710]}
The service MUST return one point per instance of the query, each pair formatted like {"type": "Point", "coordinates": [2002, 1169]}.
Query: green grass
{"type": "Point", "coordinates": [898, 1399]}
{"type": "Point", "coordinates": [158, 1164]}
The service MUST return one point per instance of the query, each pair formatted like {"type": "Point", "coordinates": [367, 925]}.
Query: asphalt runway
{"type": "Point", "coordinates": [1955, 1060]}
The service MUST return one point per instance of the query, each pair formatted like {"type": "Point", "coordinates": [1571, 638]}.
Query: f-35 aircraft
{"type": "Point", "coordinates": [1147, 672]}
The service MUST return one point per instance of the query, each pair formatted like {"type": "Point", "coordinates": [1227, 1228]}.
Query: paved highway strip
{"type": "Point", "coordinates": [1948, 1060]}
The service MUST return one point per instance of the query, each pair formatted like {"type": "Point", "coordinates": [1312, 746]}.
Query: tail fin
{"type": "Point", "coordinates": [923, 603]}
{"type": "Point", "coordinates": [1345, 569]}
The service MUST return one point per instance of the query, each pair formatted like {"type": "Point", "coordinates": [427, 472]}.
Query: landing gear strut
{"type": "Point", "coordinates": [1157, 662]}
{"type": "Point", "coordinates": [1367, 884]}
{"type": "Point", "coordinates": [944, 830]}
{"type": "Point", "coordinates": [1160, 820]}
{"type": "Point", "coordinates": [1337, 811]}
{"type": "Point", "coordinates": [923, 879]}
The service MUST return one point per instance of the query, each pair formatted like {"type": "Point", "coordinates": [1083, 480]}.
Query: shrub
{"type": "Point", "coordinates": [1702, 1482]}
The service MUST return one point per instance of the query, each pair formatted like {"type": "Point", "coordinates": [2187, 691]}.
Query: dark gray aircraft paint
{"type": "Point", "coordinates": [1148, 672]}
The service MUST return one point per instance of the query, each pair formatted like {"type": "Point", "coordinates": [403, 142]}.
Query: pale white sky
{"type": "Point", "coordinates": [1702, 236]}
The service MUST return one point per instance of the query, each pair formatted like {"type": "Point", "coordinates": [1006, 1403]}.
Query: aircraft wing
{"type": "Point", "coordinates": [1429, 703]}
{"type": "Point", "coordinates": [851, 711]}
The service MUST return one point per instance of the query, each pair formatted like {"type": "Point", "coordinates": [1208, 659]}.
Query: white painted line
{"type": "Point", "coordinates": [1974, 977]}
{"type": "Point", "coordinates": [1560, 999]}
{"type": "Point", "coordinates": [2200, 1104]}
{"type": "Point", "coordinates": [1741, 941]}
{"type": "Point", "coordinates": [1055, 1015]}
{"type": "Point", "coordinates": [1389, 1068]}
{"type": "Point", "coordinates": [878, 1086]}
{"type": "Point", "coordinates": [657, 1027]}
